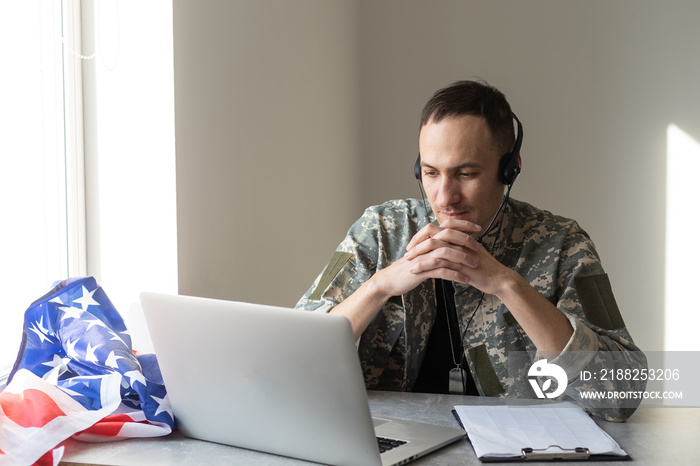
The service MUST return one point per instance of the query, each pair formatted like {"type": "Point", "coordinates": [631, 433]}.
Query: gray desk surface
{"type": "Point", "coordinates": [652, 436]}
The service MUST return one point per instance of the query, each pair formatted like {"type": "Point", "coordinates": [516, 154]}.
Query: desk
{"type": "Point", "coordinates": [652, 436]}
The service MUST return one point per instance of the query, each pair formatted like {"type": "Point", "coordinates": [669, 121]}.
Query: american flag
{"type": "Point", "coordinates": [77, 375]}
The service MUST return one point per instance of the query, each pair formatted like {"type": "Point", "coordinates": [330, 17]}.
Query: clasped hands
{"type": "Point", "coordinates": [450, 252]}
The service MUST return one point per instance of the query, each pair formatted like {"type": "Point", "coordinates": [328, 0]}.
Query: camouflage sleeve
{"type": "Point", "coordinates": [377, 240]}
{"type": "Point", "coordinates": [601, 341]}
{"type": "Point", "coordinates": [353, 263]}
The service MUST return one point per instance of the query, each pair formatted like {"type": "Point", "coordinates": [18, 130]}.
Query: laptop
{"type": "Point", "coordinates": [276, 380]}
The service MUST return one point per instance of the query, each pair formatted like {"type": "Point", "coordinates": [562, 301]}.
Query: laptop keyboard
{"type": "Point", "coordinates": [386, 444]}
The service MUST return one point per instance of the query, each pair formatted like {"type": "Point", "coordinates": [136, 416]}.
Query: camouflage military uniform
{"type": "Point", "coordinates": [552, 253]}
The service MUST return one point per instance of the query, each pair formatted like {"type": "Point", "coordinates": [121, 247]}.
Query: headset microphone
{"type": "Point", "coordinates": [500, 207]}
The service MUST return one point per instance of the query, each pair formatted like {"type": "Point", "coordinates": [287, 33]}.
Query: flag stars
{"type": "Point", "coordinates": [163, 405]}
{"type": "Point", "coordinates": [112, 359]}
{"type": "Point", "coordinates": [90, 354]}
{"type": "Point", "coordinates": [40, 325]}
{"type": "Point", "coordinates": [86, 299]}
{"type": "Point", "coordinates": [71, 312]}
{"type": "Point", "coordinates": [58, 368]}
{"type": "Point", "coordinates": [70, 349]}
{"type": "Point", "coordinates": [41, 332]}
{"type": "Point", "coordinates": [57, 361]}
{"type": "Point", "coordinates": [135, 376]}
{"type": "Point", "coordinates": [92, 322]}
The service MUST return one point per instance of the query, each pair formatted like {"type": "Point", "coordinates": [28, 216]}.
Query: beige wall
{"type": "Point", "coordinates": [292, 116]}
{"type": "Point", "coordinates": [267, 143]}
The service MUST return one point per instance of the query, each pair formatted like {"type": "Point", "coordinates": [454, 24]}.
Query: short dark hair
{"type": "Point", "coordinates": [473, 98]}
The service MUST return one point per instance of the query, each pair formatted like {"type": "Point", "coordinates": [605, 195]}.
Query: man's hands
{"type": "Point", "coordinates": [447, 251]}
{"type": "Point", "coordinates": [450, 252]}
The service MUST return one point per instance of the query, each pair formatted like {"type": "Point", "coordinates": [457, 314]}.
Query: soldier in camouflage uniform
{"type": "Point", "coordinates": [531, 285]}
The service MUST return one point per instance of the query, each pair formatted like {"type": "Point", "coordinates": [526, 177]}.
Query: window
{"type": "Point", "coordinates": [682, 256]}
{"type": "Point", "coordinates": [42, 237]}
{"type": "Point", "coordinates": [111, 213]}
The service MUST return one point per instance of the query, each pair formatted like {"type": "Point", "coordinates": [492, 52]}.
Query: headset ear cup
{"type": "Point", "coordinates": [509, 168]}
{"type": "Point", "coordinates": [416, 169]}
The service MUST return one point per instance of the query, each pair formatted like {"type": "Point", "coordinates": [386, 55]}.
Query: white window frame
{"type": "Point", "coordinates": [64, 201]}
{"type": "Point", "coordinates": [75, 231]}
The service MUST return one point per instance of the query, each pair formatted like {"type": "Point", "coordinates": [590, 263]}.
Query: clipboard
{"type": "Point", "coordinates": [556, 453]}
{"type": "Point", "coordinates": [554, 434]}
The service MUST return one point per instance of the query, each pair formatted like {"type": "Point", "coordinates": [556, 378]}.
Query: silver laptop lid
{"type": "Point", "coordinates": [263, 377]}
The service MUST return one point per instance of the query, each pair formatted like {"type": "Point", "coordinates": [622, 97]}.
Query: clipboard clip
{"type": "Point", "coordinates": [538, 454]}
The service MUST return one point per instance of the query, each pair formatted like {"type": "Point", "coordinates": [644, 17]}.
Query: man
{"type": "Point", "coordinates": [447, 305]}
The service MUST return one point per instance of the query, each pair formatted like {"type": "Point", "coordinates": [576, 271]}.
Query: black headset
{"type": "Point", "coordinates": [509, 166]}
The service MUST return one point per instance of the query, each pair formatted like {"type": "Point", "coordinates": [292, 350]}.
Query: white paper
{"type": "Point", "coordinates": [503, 431]}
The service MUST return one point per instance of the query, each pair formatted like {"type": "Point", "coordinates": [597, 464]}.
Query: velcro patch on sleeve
{"type": "Point", "coordinates": [510, 320]}
{"type": "Point", "coordinates": [485, 372]}
{"type": "Point", "coordinates": [598, 301]}
{"type": "Point", "coordinates": [335, 265]}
